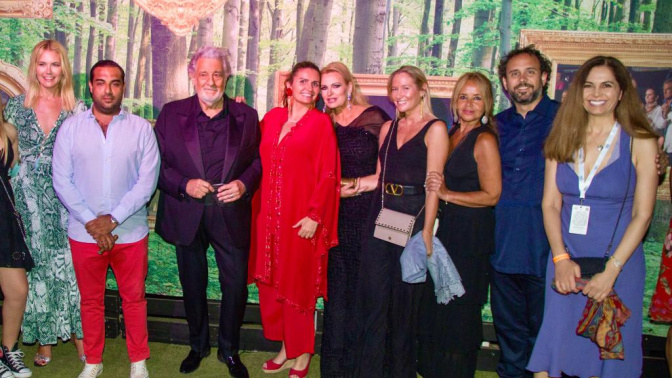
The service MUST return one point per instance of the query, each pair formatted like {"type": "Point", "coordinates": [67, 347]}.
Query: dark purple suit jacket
{"type": "Point", "coordinates": [179, 215]}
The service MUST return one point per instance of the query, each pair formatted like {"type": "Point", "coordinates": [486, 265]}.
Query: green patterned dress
{"type": "Point", "coordinates": [52, 310]}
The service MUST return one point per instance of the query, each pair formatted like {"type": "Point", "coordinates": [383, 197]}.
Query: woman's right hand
{"type": "Point", "coordinates": [566, 273]}
{"type": "Point", "coordinates": [436, 183]}
{"type": "Point", "coordinates": [350, 190]}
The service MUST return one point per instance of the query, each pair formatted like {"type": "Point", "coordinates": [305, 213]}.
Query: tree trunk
{"type": "Point", "coordinates": [303, 43]}
{"type": "Point", "coordinates": [169, 66]}
{"type": "Point", "coordinates": [662, 21]}
{"type": "Point", "coordinates": [633, 17]}
{"type": "Point", "coordinates": [130, 44]}
{"type": "Point", "coordinates": [252, 63]}
{"type": "Point", "coordinates": [90, 44]}
{"type": "Point", "coordinates": [299, 26]}
{"type": "Point", "coordinates": [230, 32]}
{"type": "Point", "coordinates": [112, 18]}
{"type": "Point", "coordinates": [646, 22]}
{"type": "Point", "coordinates": [424, 29]}
{"type": "Point", "coordinates": [141, 78]}
{"type": "Point", "coordinates": [204, 35]}
{"type": "Point", "coordinates": [368, 46]}
{"type": "Point", "coordinates": [101, 38]}
{"type": "Point", "coordinates": [454, 37]}
{"type": "Point", "coordinates": [276, 35]}
{"type": "Point", "coordinates": [392, 44]}
{"type": "Point", "coordinates": [481, 55]}
{"type": "Point", "coordinates": [59, 33]}
{"type": "Point", "coordinates": [437, 45]}
{"type": "Point", "coordinates": [79, 80]}
{"type": "Point", "coordinates": [239, 83]}
{"type": "Point", "coordinates": [317, 39]}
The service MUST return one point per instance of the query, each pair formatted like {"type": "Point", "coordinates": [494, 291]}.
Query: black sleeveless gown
{"type": "Point", "coordinates": [13, 249]}
{"type": "Point", "coordinates": [358, 147]}
{"type": "Point", "coordinates": [387, 306]}
{"type": "Point", "coordinates": [449, 336]}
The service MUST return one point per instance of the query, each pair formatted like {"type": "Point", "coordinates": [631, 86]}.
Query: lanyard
{"type": "Point", "coordinates": [584, 182]}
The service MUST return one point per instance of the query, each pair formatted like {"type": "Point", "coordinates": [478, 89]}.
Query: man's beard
{"type": "Point", "coordinates": [528, 98]}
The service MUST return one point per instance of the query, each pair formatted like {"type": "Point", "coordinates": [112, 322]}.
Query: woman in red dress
{"type": "Point", "coordinates": [297, 222]}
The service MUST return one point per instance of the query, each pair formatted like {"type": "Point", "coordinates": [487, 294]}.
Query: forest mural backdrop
{"type": "Point", "coordinates": [443, 37]}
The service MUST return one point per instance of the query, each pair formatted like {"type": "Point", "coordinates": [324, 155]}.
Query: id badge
{"type": "Point", "coordinates": [578, 223]}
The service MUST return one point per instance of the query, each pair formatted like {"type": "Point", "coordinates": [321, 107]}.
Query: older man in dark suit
{"type": "Point", "coordinates": [210, 168]}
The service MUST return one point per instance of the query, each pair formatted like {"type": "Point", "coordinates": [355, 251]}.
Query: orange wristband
{"type": "Point", "coordinates": [560, 257]}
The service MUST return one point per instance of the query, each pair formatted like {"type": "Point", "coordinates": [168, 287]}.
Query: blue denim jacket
{"type": "Point", "coordinates": [415, 263]}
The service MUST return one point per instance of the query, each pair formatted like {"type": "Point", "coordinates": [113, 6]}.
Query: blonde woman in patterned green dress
{"type": "Point", "coordinates": [52, 310]}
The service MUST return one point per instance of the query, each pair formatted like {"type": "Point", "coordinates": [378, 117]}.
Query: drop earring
{"type": "Point", "coordinates": [349, 101]}
{"type": "Point", "coordinates": [484, 119]}
{"type": "Point", "coordinates": [422, 105]}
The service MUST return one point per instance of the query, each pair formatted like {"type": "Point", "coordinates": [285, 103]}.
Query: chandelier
{"type": "Point", "coordinates": [180, 16]}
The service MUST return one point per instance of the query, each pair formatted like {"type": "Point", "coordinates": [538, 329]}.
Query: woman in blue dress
{"type": "Point", "coordinates": [593, 170]}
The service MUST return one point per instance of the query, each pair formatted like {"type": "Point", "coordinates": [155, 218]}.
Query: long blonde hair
{"type": "Point", "coordinates": [420, 81]}
{"type": "Point", "coordinates": [357, 97]}
{"type": "Point", "coordinates": [568, 133]}
{"type": "Point", "coordinates": [65, 87]}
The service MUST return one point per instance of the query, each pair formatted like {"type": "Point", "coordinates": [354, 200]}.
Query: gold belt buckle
{"type": "Point", "coordinates": [394, 189]}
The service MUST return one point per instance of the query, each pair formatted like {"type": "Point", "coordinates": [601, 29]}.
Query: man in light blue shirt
{"type": "Point", "coordinates": [105, 169]}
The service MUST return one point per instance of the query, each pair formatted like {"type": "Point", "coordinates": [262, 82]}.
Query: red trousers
{"type": "Point", "coordinates": [129, 263]}
{"type": "Point", "coordinates": [282, 322]}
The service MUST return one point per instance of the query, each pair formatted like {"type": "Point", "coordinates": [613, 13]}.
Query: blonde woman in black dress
{"type": "Point", "coordinates": [15, 259]}
{"type": "Point", "coordinates": [357, 127]}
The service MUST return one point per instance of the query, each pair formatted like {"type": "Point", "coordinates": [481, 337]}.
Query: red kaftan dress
{"type": "Point", "coordinates": [300, 177]}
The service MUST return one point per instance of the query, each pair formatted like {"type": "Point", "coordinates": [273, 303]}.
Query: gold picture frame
{"type": "Point", "coordinates": [575, 47]}
{"type": "Point", "coordinates": [27, 8]}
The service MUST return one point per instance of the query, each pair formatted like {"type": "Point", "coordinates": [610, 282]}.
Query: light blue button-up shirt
{"type": "Point", "coordinates": [95, 175]}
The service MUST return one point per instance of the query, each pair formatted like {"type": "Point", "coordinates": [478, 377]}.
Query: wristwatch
{"type": "Point", "coordinates": [114, 220]}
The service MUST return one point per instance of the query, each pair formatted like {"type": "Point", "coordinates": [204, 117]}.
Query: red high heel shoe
{"type": "Point", "coordinates": [300, 373]}
{"type": "Point", "coordinates": [271, 367]}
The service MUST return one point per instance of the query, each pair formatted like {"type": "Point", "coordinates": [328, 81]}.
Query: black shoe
{"type": "Point", "coordinates": [13, 359]}
{"type": "Point", "coordinates": [236, 367]}
{"type": "Point", "coordinates": [192, 361]}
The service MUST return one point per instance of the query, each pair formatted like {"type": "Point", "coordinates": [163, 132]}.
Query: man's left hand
{"type": "Point", "coordinates": [231, 192]}
{"type": "Point", "coordinates": [100, 226]}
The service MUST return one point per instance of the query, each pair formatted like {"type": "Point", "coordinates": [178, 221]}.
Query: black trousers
{"type": "Point", "coordinates": [517, 302]}
{"type": "Point", "coordinates": [387, 314]}
{"type": "Point", "coordinates": [192, 265]}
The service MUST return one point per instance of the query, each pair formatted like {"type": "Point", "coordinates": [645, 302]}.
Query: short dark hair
{"type": "Point", "coordinates": [107, 63]}
{"type": "Point", "coordinates": [544, 63]}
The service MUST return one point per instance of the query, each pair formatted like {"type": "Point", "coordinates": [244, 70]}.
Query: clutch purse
{"type": "Point", "coordinates": [591, 266]}
{"type": "Point", "coordinates": [394, 227]}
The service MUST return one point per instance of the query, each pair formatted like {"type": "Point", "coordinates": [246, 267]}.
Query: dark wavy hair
{"type": "Point", "coordinates": [544, 64]}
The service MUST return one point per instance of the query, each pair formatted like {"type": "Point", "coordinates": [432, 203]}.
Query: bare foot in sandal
{"type": "Point", "coordinates": [80, 347]}
{"type": "Point", "coordinates": [43, 356]}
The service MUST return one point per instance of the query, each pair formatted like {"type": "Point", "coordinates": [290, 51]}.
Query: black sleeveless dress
{"type": "Point", "coordinates": [358, 147]}
{"type": "Point", "coordinates": [449, 336]}
{"type": "Point", "coordinates": [387, 306]}
{"type": "Point", "coordinates": [13, 249]}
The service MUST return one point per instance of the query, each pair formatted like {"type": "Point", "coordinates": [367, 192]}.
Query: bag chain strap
{"type": "Point", "coordinates": [627, 187]}
{"type": "Point", "coordinates": [16, 213]}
